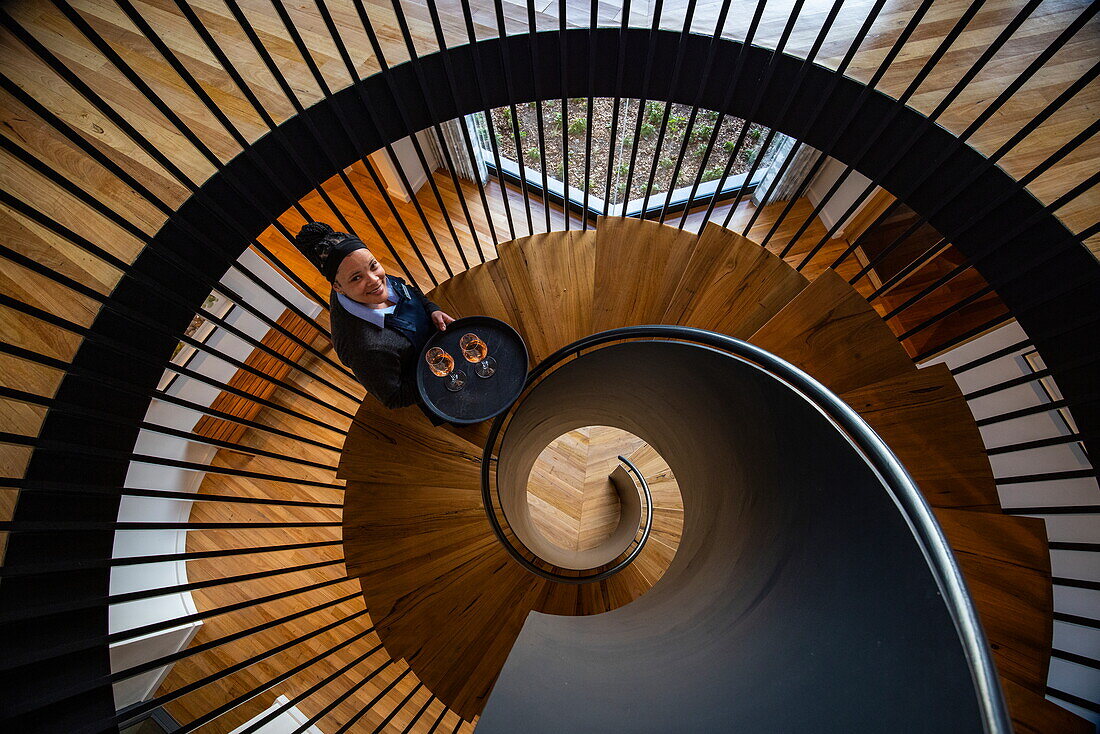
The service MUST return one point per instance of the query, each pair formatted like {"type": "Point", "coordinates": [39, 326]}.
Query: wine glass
{"type": "Point", "coordinates": [476, 351]}
{"type": "Point", "coordinates": [442, 364]}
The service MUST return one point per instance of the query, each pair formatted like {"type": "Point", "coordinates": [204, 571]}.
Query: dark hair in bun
{"type": "Point", "coordinates": [325, 247]}
{"type": "Point", "coordinates": [310, 236]}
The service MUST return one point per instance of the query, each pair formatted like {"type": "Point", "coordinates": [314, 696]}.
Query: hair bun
{"type": "Point", "coordinates": [310, 235]}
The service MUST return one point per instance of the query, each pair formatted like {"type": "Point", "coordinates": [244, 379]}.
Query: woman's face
{"type": "Point", "coordinates": [361, 278]}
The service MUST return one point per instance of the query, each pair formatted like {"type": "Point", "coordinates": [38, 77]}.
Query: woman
{"type": "Point", "coordinates": [379, 322]}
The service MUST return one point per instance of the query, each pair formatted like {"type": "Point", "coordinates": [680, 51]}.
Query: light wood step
{"type": "Point", "coordinates": [926, 422]}
{"type": "Point", "coordinates": [731, 285]}
{"type": "Point", "coordinates": [829, 331]}
{"type": "Point", "coordinates": [638, 267]}
{"type": "Point", "coordinates": [1033, 713]}
{"type": "Point", "coordinates": [403, 447]}
{"type": "Point", "coordinates": [550, 277]}
{"type": "Point", "coordinates": [1007, 569]}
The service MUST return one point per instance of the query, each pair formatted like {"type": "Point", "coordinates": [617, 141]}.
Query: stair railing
{"type": "Point", "coordinates": [875, 453]}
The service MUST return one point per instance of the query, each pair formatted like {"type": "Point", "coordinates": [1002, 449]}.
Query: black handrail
{"type": "Point", "coordinates": [875, 453]}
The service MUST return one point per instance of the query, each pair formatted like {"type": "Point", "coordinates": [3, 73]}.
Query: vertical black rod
{"type": "Point", "coordinates": [647, 72]}
{"type": "Point", "coordinates": [539, 127]}
{"type": "Point", "coordinates": [738, 67]}
{"type": "Point", "coordinates": [763, 151]}
{"type": "Point", "coordinates": [345, 126]}
{"type": "Point", "coordinates": [616, 104]}
{"type": "Point", "coordinates": [563, 54]}
{"type": "Point", "coordinates": [444, 149]}
{"type": "Point", "coordinates": [884, 124]}
{"type": "Point", "coordinates": [479, 73]}
{"type": "Point", "coordinates": [463, 125]}
{"type": "Point", "coordinates": [689, 131]}
{"type": "Point", "coordinates": [673, 84]}
{"type": "Point", "coordinates": [506, 61]}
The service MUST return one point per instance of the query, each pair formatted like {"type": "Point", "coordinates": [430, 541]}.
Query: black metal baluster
{"type": "Point", "coordinates": [883, 125]}
{"type": "Point", "coordinates": [647, 72]}
{"type": "Point", "coordinates": [479, 72]}
{"type": "Point", "coordinates": [616, 104]}
{"type": "Point", "coordinates": [437, 27]}
{"type": "Point", "coordinates": [414, 59]}
{"type": "Point", "coordinates": [506, 62]}
{"type": "Point", "coordinates": [764, 146]}
{"type": "Point", "coordinates": [673, 83]}
{"type": "Point", "coordinates": [738, 67]}
{"type": "Point", "coordinates": [539, 127]}
{"type": "Point", "coordinates": [689, 130]}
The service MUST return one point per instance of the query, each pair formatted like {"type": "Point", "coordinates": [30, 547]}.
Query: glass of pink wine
{"type": "Point", "coordinates": [442, 364]}
{"type": "Point", "coordinates": [477, 352]}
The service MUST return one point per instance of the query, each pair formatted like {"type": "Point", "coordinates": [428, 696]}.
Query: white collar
{"type": "Point", "coordinates": [376, 316]}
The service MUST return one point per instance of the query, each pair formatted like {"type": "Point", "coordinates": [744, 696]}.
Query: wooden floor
{"type": "Point", "coordinates": [571, 497]}
{"type": "Point", "coordinates": [27, 131]}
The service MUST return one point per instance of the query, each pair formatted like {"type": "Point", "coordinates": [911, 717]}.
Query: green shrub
{"type": "Point", "coordinates": [666, 163]}
{"type": "Point", "coordinates": [648, 131]}
{"type": "Point", "coordinates": [654, 111]}
{"type": "Point", "coordinates": [729, 146]}
{"type": "Point", "coordinates": [755, 133]}
{"type": "Point", "coordinates": [578, 126]}
{"type": "Point", "coordinates": [713, 172]}
{"type": "Point", "coordinates": [534, 154]}
{"type": "Point", "coordinates": [701, 133]}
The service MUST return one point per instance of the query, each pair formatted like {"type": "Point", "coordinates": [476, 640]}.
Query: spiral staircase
{"type": "Point", "coordinates": [445, 596]}
{"type": "Point", "coordinates": [337, 566]}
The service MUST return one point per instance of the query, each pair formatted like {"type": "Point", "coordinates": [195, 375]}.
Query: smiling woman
{"type": "Point", "coordinates": [379, 322]}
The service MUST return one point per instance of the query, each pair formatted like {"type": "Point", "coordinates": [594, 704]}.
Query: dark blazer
{"type": "Point", "coordinates": [382, 359]}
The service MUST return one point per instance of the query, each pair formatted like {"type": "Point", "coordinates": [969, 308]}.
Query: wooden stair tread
{"type": "Point", "coordinates": [550, 277]}
{"type": "Point", "coordinates": [1005, 563]}
{"type": "Point", "coordinates": [402, 447]}
{"type": "Point", "coordinates": [829, 331]}
{"type": "Point", "coordinates": [924, 419]}
{"type": "Point", "coordinates": [638, 266]}
{"type": "Point", "coordinates": [731, 285]}
{"type": "Point", "coordinates": [1033, 713]}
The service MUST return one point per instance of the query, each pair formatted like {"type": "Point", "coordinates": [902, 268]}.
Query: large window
{"type": "Point", "coordinates": [631, 165]}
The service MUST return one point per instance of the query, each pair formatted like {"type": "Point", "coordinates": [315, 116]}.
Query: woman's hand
{"type": "Point", "coordinates": [441, 320]}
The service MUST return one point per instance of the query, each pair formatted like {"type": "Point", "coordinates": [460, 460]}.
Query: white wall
{"type": "Point", "coordinates": [1066, 676]}
{"type": "Point", "coordinates": [287, 722]}
{"type": "Point", "coordinates": [408, 161]}
{"type": "Point", "coordinates": [144, 475]}
{"type": "Point", "coordinates": [839, 202]}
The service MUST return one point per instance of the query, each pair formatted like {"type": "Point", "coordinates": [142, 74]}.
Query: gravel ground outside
{"type": "Point", "coordinates": [649, 159]}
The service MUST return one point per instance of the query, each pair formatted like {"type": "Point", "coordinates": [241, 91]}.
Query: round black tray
{"type": "Point", "coordinates": [481, 398]}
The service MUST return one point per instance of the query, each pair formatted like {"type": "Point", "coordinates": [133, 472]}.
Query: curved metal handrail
{"type": "Point", "coordinates": [498, 530]}
{"type": "Point", "coordinates": [918, 515]}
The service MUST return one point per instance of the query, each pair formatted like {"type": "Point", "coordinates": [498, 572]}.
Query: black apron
{"type": "Point", "coordinates": [409, 318]}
